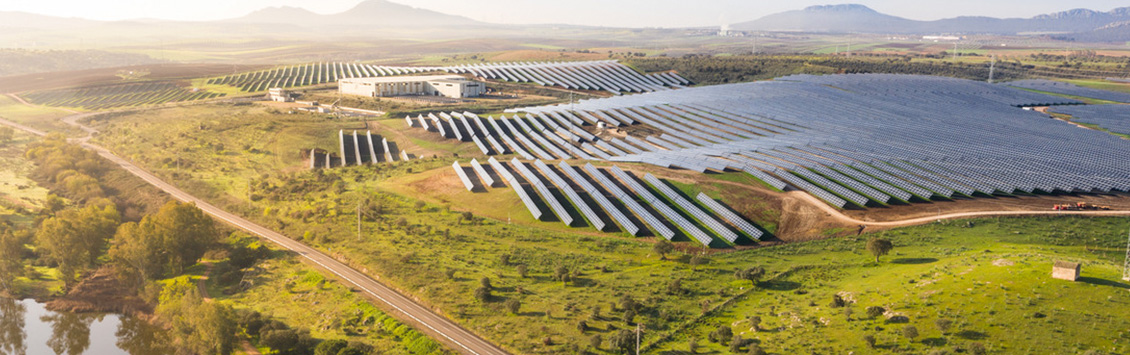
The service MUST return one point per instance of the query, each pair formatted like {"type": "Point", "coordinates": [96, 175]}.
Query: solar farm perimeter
{"type": "Point", "coordinates": [853, 141]}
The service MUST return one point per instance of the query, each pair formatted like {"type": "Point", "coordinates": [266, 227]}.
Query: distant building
{"type": "Point", "coordinates": [453, 86]}
{"type": "Point", "coordinates": [942, 38]}
{"type": "Point", "coordinates": [280, 95]}
{"type": "Point", "coordinates": [1064, 270]}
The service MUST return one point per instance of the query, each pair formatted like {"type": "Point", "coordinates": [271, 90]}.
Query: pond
{"type": "Point", "coordinates": [26, 327]}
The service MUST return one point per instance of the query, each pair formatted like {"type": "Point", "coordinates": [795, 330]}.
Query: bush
{"type": "Point", "coordinates": [870, 340]}
{"type": "Point", "coordinates": [875, 311]}
{"type": "Point", "coordinates": [513, 305]}
{"type": "Point", "coordinates": [330, 347]}
{"type": "Point", "coordinates": [721, 335]}
{"type": "Point", "coordinates": [482, 294]}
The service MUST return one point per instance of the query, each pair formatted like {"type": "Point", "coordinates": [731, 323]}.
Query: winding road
{"type": "Point", "coordinates": [404, 308]}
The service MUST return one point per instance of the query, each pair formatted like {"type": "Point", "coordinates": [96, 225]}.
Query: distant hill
{"type": "Point", "coordinates": [370, 13]}
{"type": "Point", "coordinates": [854, 18]}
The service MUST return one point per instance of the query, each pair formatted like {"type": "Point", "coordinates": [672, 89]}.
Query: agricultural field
{"type": "Point", "coordinates": [112, 96]}
{"type": "Point", "coordinates": [37, 117]}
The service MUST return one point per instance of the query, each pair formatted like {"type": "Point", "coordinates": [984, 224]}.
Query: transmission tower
{"type": "Point", "coordinates": [1126, 264]}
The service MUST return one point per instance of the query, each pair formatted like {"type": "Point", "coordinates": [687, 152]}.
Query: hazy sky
{"type": "Point", "coordinates": [634, 13]}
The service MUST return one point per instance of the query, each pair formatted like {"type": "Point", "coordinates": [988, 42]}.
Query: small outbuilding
{"type": "Point", "coordinates": [1064, 270]}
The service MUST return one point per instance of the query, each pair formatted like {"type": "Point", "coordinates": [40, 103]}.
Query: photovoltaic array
{"type": "Point", "coordinates": [606, 75]}
{"type": "Point", "coordinates": [1114, 118]}
{"type": "Point", "coordinates": [1060, 87]}
{"type": "Point", "coordinates": [597, 197]}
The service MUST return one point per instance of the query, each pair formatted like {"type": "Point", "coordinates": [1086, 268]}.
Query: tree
{"type": "Point", "coordinates": [837, 301]}
{"type": "Point", "coordinates": [663, 247]}
{"type": "Point", "coordinates": [75, 238]}
{"type": "Point", "coordinates": [623, 341]}
{"type": "Point", "coordinates": [522, 271]}
{"type": "Point", "coordinates": [870, 340]}
{"type": "Point", "coordinates": [629, 315]}
{"type": "Point", "coordinates": [196, 326]}
{"type": "Point", "coordinates": [943, 324]}
{"type": "Point", "coordinates": [168, 241]}
{"type": "Point", "coordinates": [875, 311]}
{"type": "Point", "coordinates": [752, 274]}
{"type": "Point", "coordinates": [467, 216]}
{"type": "Point", "coordinates": [513, 305]}
{"type": "Point", "coordinates": [482, 294]}
{"type": "Point", "coordinates": [977, 349]}
{"type": "Point", "coordinates": [736, 344]}
{"type": "Point", "coordinates": [879, 247]}
{"type": "Point", "coordinates": [561, 273]}
{"type": "Point", "coordinates": [675, 287]}
{"type": "Point", "coordinates": [696, 261]}
{"type": "Point", "coordinates": [11, 258]}
{"type": "Point", "coordinates": [910, 332]}
{"type": "Point", "coordinates": [485, 283]}
{"type": "Point", "coordinates": [755, 323]}
{"type": "Point", "coordinates": [595, 341]}
{"type": "Point", "coordinates": [582, 326]}
{"type": "Point", "coordinates": [722, 334]}
{"type": "Point", "coordinates": [6, 134]}
{"type": "Point", "coordinates": [755, 349]}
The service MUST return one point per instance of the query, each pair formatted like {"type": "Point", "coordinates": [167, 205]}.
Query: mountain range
{"type": "Point", "coordinates": [394, 20]}
{"type": "Point", "coordinates": [854, 18]}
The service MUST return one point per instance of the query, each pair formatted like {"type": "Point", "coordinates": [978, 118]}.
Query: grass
{"type": "Point", "coordinates": [290, 291]}
{"type": "Point", "coordinates": [19, 195]}
{"type": "Point", "coordinates": [38, 117]}
{"type": "Point", "coordinates": [413, 247]}
{"type": "Point", "coordinates": [989, 276]}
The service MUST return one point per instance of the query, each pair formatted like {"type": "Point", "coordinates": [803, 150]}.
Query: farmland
{"type": "Point", "coordinates": [111, 96]}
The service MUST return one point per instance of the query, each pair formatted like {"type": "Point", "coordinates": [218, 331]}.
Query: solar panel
{"type": "Point", "coordinates": [626, 199]}
{"type": "Point", "coordinates": [482, 173]}
{"type": "Point", "coordinates": [661, 206]}
{"type": "Point", "coordinates": [463, 176]}
{"type": "Point", "coordinates": [571, 195]}
{"type": "Point", "coordinates": [691, 208]}
{"type": "Point", "coordinates": [544, 192]}
{"type": "Point", "coordinates": [597, 195]}
{"type": "Point", "coordinates": [728, 215]}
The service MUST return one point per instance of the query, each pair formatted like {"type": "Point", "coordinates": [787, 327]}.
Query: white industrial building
{"type": "Point", "coordinates": [435, 85]}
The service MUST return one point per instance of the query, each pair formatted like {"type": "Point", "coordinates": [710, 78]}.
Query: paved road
{"type": "Point", "coordinates": [437, 327]}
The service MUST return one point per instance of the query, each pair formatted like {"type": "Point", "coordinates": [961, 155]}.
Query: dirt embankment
{"type": "Point", "coordinates": [102, 292]}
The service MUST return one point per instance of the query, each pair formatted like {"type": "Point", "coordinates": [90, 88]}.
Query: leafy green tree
{"type": "Point", "coordinates": [624, 342]}
{"type": "Point", "coordinates": [11, 258]}
{"type": "Point", "coordinates": [482, 294]}
{"type": "Point", "coordinates": [943, 324]}
{"type": "Point", "coordinates": [754, 274]}
{"type": "Point", "coordinates": [879, 247]}
{"type": "Point", "coordinates": [869, 340]}
{"type": "Point", "coordinates": [75, 238]}
{"type": "Point", "coordinates": [675, 287]}
{"type": "Point", "coordinates": [663, 247]}
{"type": "Point", "coordinates": [196, 326]}
{"type": "Point", "coordinates": [755, 349]}
{"type": "Point", "coordinates": [910, 332]}
{"type": "Point", "coordinates": [513, 305]}
{"type": "Point", "coordinates": [696, 261]}
{"type": "Point", "coordinates": [170, 240]}
{"type": "Point", "coordinates": [875, 311]}
{"type": "Point", "coordinates": [330, 347]}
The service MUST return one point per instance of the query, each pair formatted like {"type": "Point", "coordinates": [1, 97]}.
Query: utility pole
{"type": "Point", "coordinates": [637, 339]}
{"type": "Point", "coordinates": [1126, 265]}
{"type": "Point", "coordinates": [992, 62]}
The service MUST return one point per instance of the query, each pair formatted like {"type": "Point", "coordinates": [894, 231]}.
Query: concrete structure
{"type": "Point", "coordinates": [1064, 270]}
{"type": "Point", "coordinates": [280, 95]}
{"type": "Point", "coordinates": [453, 86]}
